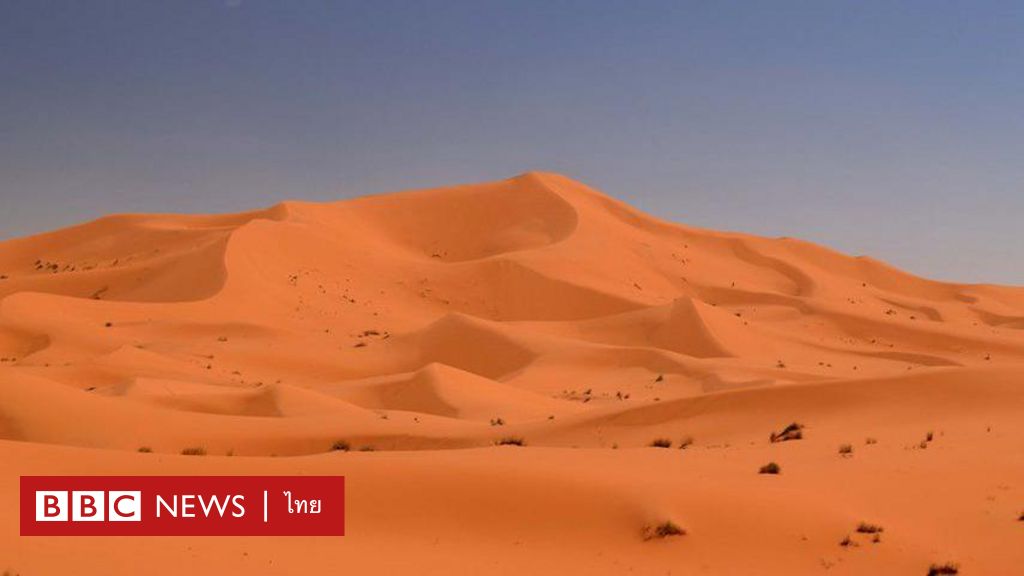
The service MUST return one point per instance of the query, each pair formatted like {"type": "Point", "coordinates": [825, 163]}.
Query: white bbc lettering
{"type": "Point", "coordinates": [88, 506]}
{"type": "Point", "coordinates": [51, 506]}
{"type": "Point", "coordinates": [124, 506]}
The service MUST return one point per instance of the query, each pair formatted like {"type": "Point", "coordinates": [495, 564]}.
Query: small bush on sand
{"type": "Point", "coordinates": [497, 422]}
{"type": "Point", "coordinates": [663, 530]}
{"type": "Point", "coordinates": [686, 442]}
{"type": "Point", "coordinates": [929, 436]}
{"type": "Point", "coordinates": [944, 569]}
{"type": "Point", "coordinates": [661, 443]}
{"type": "Point", "coordinates": [846, 450]}
{"type": "Point", "coordinates": [145, 449]}
{"type": "Point", "coordinates": [770, 468]}
{"type": "Point", "coordinates": [866, 528]}
{"type": "Point", "coordinates": [194, 451]}
{"type": "Point", "coordinates": [340, 446]}
{"type": "Point", "coordinates": [794, 431]}
{"type": "Point", "coordinates": [511, 441]}
{"type": "Point", "coordinates": [847, 542]}
{"type": "Point", "coordinates": [870, 441]}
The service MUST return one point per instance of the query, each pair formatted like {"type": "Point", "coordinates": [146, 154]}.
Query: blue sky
{"type": "Point", "coordinates": [894, 129]}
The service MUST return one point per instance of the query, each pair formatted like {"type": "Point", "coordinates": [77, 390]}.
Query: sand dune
{"type": "Point", "coordinates": [430, 324]}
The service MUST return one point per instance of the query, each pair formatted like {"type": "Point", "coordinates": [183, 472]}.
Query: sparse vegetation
{"type": "Point", "coordinates": [845, 450]}
{"type": "Point", "coordinates": [929, 436]}
{"type": "Point", "coordinates": [793, 431]}
{"type": "Point", "coordinates": [661, 443]}
{"type": "Point", "coordinates": [869, 441]}
{"type": "Point", "coordinates": [944, 569]}
{"type": "Point", "coordinates": [686, 442]}
{"type": "Point", "coordinates": [511, 441]}
{"type": "Point", "coordinates": [497, 422]}
{"type": "Point", "coordinates": [340, 446]}
{"type": "Point", "coordinates": [145, 449]}
{"type": "Point", "coordinates": [848, 542]}
{"type": "Point", "coordinates": [770, 468]}
{"type": "Point", "coordinates": [663, 530]}
{"type": "Point", "coordinates": [866, 528]}
{"type": "Point", "coordinates": [194, 451]}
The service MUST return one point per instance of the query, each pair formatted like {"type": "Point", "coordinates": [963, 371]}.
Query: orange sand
{"type": "Point", "coordinates": [408, 322]}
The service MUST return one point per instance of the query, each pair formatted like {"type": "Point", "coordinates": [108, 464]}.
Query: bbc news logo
{"type": "Point", "coordinates": [88, 506]}
{"type": "Point", "coordinates": [182, 506]}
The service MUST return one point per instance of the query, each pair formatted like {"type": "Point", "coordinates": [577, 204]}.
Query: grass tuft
{"type": "Point", "coordinates": [866, 528]}
{"type": "Point", "coordinates": [511, 441]}
{"type": "Point", "coordinates": [793, 431]}
{"type": "Point", "coordinates": [945, 569]}
{"type": "Point", "coordinates": [664, 530]}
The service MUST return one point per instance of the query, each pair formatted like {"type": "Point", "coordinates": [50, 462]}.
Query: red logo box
{"type": "Point", "coordinates": [182, 506]}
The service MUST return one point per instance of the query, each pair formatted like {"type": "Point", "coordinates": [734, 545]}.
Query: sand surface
{"type": "Point", "coordinates": [430, 325]}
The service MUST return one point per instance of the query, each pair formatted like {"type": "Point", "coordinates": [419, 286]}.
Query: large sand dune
{"type": "Point", "coordinates": [428, 325]}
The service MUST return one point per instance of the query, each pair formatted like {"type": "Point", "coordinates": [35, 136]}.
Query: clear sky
{"type": "Point", "coordinates": [894, 129]}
